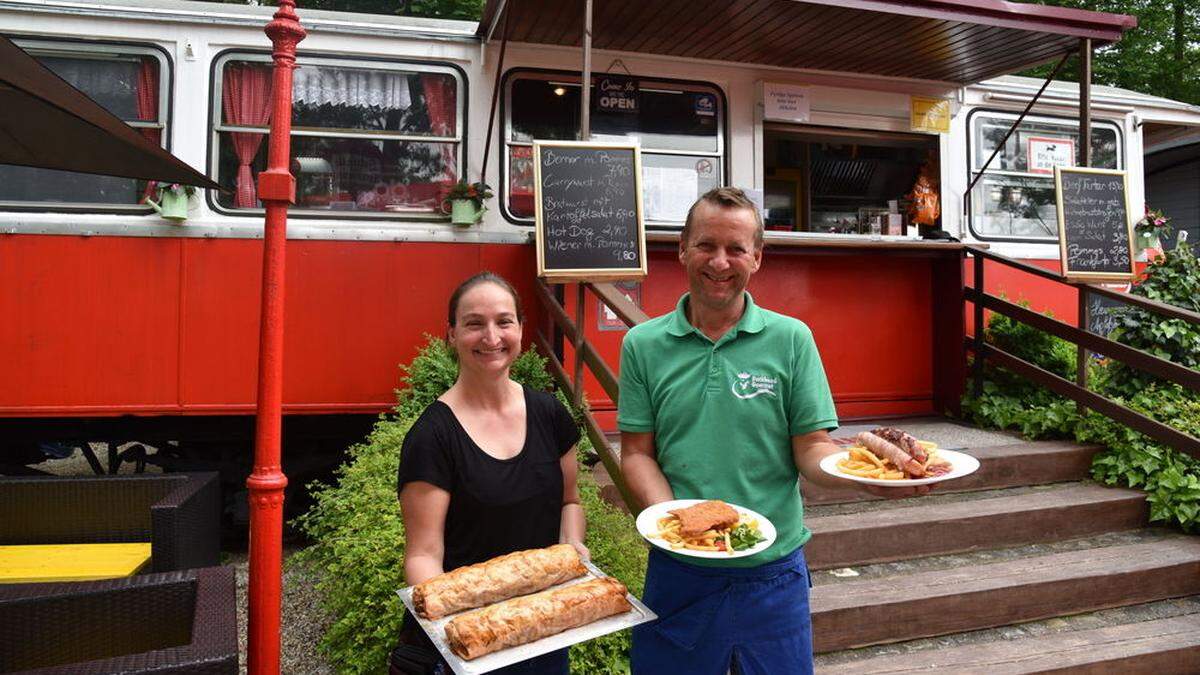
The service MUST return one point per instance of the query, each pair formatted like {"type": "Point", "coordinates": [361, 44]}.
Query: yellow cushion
{"type": "Point", "coordinates": [71, 562]}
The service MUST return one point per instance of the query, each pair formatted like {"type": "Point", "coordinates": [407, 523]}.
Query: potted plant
{"type": "Point", "coordinates": [464, 202]}
{"type": "Point", "coordinates": [1151, 230]}
{"type": "Point", "coordinates": [172, 201]}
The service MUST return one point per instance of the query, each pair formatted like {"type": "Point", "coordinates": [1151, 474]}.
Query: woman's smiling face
{"type": "Point", "coordinates": [486, 333]}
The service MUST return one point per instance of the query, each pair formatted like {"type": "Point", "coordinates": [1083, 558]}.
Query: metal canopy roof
{"type": "Point", "coordinates": [960, 41]}
{"type": "Point", "coordinates": [47, 123]}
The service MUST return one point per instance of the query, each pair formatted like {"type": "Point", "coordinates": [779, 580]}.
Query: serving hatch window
{"type": "Point", "coordinates": [678, 125]}
{"type": "Point", "coordinates": [131, 82]}
{"type": "Point", "coordinates": [1014, 199]}
{"type": "Point", "coordinates": [368, 138]}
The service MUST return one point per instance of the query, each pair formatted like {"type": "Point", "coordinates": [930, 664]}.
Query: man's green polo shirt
{"type": "Point", "coordinates": [723, 413]}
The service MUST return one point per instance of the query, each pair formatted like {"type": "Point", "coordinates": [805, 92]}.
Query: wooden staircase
{"type": "Point", "coordinates": [1024, 567]}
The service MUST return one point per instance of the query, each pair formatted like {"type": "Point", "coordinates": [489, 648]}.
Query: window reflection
{"type": "Point", "coordinates": [356, 136]}
{"type": "Point", "coordinates": [358, 175]}
{"type": "Point", "coordinates": [677, 127]}
{"type": "Point", "coordinates": [1015, 198]}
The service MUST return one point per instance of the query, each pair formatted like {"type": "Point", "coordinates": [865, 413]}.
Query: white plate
{"type": "Point", "coordinates": [647, 526]}
{"type": "Point", "coordinates": [962, 464]}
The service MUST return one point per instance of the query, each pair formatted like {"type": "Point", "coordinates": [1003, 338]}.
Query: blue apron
{"type": "Point", "coordinates": [712, 620]}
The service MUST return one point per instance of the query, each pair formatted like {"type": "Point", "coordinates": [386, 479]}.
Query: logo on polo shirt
{"type": "Point", "coordinates": [750, 386]}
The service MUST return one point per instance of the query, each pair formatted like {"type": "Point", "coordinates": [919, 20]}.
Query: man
{"type": "Point", "coordinates": [722, 399]}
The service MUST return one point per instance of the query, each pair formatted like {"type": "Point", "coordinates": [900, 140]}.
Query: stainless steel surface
{"type": "Point", "coordinates": [436, 630]}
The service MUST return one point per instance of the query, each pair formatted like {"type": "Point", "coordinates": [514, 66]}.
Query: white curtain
{"type": "Point", "coordinates": [316, 85]}
{"type": "Point", "coordinates": [110, 82]}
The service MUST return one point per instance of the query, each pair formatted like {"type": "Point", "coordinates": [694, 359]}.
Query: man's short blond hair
{"type": "Point", "coordinates": [726, 198]}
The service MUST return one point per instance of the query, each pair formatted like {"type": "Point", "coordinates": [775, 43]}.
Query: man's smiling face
{"type": "Point", "coordinates": [720, 254]}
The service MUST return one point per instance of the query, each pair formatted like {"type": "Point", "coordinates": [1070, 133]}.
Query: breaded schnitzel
{"type": "Point", "coordinates": [713, 514]}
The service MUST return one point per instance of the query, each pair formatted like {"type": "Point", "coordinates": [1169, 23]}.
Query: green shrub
{"type": "Point", "coordinates": [1030, 344]}
{"type": "Point", "coordinates": [1170, 479]}
{"type": "Point", "coordinates": [1173, 279]}
{"type": "Point", "coordinates": [619, 550]}
{"type": "Point", "coordinates": [1010, 401]}
{"type": "Point", "coordinates": [357, 549]}
{"type": "Point", "coordinates": [429, 375]}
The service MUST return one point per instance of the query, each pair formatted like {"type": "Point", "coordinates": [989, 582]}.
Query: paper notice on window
{"type": "Point", "coordinates": [669, 192]}
{"type": "Point", "coordinates": [1043, 154]}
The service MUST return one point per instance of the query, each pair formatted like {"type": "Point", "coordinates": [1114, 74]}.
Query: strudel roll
{"type": "Point", "coordinates": [522, 620]}
{"type": "Point", "coordinates": [501, 578]}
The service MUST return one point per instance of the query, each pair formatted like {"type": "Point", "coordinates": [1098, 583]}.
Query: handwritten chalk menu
{"type": "Point", "coordinates": [1095, 234]}
{"type": "Point", "coordinates": [588, 198]}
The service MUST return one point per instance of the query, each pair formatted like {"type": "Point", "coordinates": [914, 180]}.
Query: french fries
{"type": "Point", "coordinates": [668, 530]}
{"type": "Point", "coordinates": [862, 462]}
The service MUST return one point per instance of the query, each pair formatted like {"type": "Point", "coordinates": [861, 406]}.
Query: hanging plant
{"type": "Point", "coordinates": [476, 192]}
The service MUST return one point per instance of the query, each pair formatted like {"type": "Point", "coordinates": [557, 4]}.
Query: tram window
{"type": "Point", "coordinates": [1014, 199]}
{"type": "Point", "coordinates": [130, 82]}
{"type": "Point", "coordinates": [367, 138]}
{"type": "Point", "coordinates": [678, 126]}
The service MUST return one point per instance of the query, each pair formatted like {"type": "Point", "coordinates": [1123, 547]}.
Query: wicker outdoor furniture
{"type": "Point", "coordinates": [172, 622]}
{"type": "Point", "coordinates": [179, 514]}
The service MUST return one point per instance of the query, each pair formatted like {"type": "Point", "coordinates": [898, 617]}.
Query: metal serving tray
{"type": "Point", "coordinates": [436, 630]}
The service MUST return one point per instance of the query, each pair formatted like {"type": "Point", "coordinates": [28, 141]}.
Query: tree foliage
{"type": "Point", "coordinates": [1160, 57]}
{"type": "Point", "coordinates": [440, 9]}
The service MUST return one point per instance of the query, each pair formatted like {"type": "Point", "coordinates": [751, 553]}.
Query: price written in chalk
{"type": "Point", "coordinates": [1094, 223]}
{"type": "Point", "coordinates": [589, 209]}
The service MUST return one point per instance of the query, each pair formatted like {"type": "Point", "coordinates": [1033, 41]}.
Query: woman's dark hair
{"type": "Point", "coordinates": [483, 278]}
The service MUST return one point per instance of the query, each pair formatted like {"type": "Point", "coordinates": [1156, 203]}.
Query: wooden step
{"type": "Point", "coordinates": [1034, 463]}
{"type": "Point", "coordinates": [1159, 647]}
{"type": "Point", "coordinates": [905, 607]}
{"type": "Point", "coordinates": [1067, 512]}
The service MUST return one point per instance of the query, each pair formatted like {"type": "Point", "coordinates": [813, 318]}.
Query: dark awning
{"type": "Point", "coordinates": [959, 41]}
{"type": "Point", "coordinates": [47, 123]}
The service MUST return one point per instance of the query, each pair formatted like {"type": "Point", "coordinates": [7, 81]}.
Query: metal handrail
{"type": "Point", "coordinates": [1085, 342]}
{"type": "Point", "coordinates": [587, 355]}
{"type": "Point", "coordinates": [1147, 304]}
{"type": "Point", "coordinates": [1168, 370]}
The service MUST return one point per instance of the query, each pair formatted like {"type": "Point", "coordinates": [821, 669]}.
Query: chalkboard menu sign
{"type": "Point", "coordinates": [588, 198]}
{"type": "Point", "coordinates": [1103, 313]}
{"type": "Point", "coordinates": [1095, 234]}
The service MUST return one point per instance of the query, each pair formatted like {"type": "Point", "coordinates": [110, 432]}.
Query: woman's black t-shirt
{"type": "Point", "coordinates": [497, 506]}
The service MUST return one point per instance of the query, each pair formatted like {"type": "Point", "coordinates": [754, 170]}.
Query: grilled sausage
{"type": "Point", "coordinates": [903, 440]}
{"type": "Point", "coordinates": [890, 452]}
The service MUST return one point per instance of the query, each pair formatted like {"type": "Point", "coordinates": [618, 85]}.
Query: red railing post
{"type": "Point", "coordinates": [276, 189]}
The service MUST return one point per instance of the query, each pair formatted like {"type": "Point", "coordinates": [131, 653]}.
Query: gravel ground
{"type": "Point", "coordinates": [303, 620]}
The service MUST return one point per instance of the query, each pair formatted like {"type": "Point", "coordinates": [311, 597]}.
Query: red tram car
{"type": "Point", "coordinates": [121, 327]}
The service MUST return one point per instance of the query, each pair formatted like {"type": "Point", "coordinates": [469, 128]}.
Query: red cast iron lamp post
{"type": "Point", "coordinates": [276, 189]}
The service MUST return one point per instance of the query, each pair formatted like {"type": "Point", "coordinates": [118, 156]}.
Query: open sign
{"type": "Point", "coordinates": [617, 93]}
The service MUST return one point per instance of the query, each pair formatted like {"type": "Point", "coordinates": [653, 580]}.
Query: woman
{"type": "Point", "coordinates": [489, 468]}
